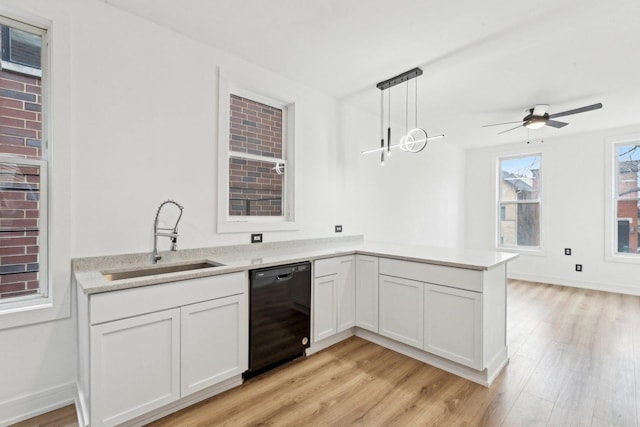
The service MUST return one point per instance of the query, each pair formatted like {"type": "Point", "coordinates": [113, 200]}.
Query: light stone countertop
{"type": "Point", "coordinates": [88, 271]}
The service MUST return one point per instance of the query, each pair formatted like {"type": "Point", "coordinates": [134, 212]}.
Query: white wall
{"type": "Point", "coordinates": [573, 198]}
{"type": "Point", "coordinates": [413, 198]}
{"type": "Point", "coordinates": [145, 130]}
{"type": "Point", "coordinates": [141, 105]}
{"type": "Point", "coordinates": [38, 359]}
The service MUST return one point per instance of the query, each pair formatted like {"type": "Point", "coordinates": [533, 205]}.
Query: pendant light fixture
{"type": "Point", "coordinates": [414, 140]}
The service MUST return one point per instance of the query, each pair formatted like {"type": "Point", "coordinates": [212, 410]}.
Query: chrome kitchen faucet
{"type": "Point", "coordinates": [171, 233]}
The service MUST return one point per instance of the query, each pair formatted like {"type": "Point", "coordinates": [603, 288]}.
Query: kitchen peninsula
{"type": "Point", "coordinates": [445, 307]}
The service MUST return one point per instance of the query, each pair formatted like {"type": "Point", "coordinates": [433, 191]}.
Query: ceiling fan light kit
{"type": "Point", "coordinates": [538, 117]}
{"type": "Point", "coordinates": [415, 139]}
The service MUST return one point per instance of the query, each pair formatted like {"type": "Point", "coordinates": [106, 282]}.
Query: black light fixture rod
{"type": "Point", "coordinates": [389, 124]}
{"type": "Point", "coordinates": [400, 78]}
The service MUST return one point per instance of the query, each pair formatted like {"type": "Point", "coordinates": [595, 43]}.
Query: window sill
{"type": "Point", "coordinates": [256, 225]}
{"type": "Point", "coordinates": [533, 252]}
{"type": "Point", "coordinates": [622, 258]}
{"type": "Point", "coordinates": [38, 312]}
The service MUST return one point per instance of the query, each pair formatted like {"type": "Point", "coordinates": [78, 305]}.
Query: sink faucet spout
{"type": "Point", "coordinates": [171, 233]}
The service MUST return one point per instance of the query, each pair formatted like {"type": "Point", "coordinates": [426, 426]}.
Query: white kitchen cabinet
{"type": "Point", "coordinates": [333, 296]}
{"type": "Point", "coordinates": [211, 346]}
{"type": "Point", "coordinates": [144, 349]}
{"type": "Point", "coordinates": [135, 366]}
{"type": "Point", "coordinates": [401, 310]}
{"type": "Point", "coordinates": [464, 314]}
{"type": "Point", "coordinates": [367, 292]}
{"type": "Point", "coordinates": [346, 293]}
{"type": "Point", "coordinates": [325, 320]}
{"type": "Point", "coordinates": [453, 324]}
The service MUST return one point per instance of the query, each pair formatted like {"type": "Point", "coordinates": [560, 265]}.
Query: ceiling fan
{"type": "Point", "coordinates": [538, 117]}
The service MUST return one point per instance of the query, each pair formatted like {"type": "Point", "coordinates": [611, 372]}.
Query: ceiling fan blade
{"type": "Point", "coordinates": [505, 123]}
{"type": "Point", "coordinates": [504, 131]}
{"type": "Point", "coordinates": [556, 124]}
{"type": "Point", "coordinates": [576, 111]}
{"type": "Point", "coordinates": [540, 109]}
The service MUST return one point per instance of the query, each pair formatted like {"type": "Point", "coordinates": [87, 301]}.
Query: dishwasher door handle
{"type": "Point", "coordinates": [286, 276]}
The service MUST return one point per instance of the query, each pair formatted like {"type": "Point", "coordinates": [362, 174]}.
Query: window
{"type": "Point", "coordinates": [627, 198]}
{"type": "Point", "coordinates": [257, 165]}
{"type": "Point", "coordinates": [21, 51]}
{"type": "Point", "coordinates": [256, 180]}
{"type": "Point", "coordinates": [519, 202]}
{"type": "Point", "coordinates": [23, 170]}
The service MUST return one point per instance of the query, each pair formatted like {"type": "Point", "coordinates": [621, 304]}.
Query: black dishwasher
{"type": "Point", "coordinates": [279, 315]}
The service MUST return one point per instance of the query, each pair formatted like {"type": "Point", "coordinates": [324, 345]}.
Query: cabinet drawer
{"type": "Point", "coordinates": [146, 299]}
{"type": "Point", "coordinates": [448, 276]}
{"type": "Point", "coordinates": [328, 266]}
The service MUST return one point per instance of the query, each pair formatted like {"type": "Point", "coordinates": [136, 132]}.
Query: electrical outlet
{"type": "Point", "coordinates": [567, 251]}
{"type": "Point", "coordinates": [256, 238]}
{"type": "Point", "coordinates": [578, 267]}
{"type": "Point", "coordinates": [338, 228]}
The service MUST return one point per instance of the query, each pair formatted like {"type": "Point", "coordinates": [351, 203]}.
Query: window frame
{"type": "Point", "coordinates": [16, 66]}
{"type": "Point", "coordinates": [236, 223]}
{"type": "Point", "coordinates": [45, 294]}
{"type": "Point", "coordinates": [611, 199]}
{"type": "Point", "coordinates": [532, 250]}
{"type": "Point", "coordinates": [57, 305]}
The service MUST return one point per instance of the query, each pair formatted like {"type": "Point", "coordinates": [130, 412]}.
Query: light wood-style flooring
{"type": "Point", "coordinates": [63, 417]}
{"type": "Point", "coordinates": [574, 361]}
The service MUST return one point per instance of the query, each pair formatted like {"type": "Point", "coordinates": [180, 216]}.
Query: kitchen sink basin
{"type": "Point", "coordinates": [160, 269]}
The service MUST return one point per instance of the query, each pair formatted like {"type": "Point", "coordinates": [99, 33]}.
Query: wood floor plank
{"type": "Point", "coordinates": [506, 389]}
{"type": "Point", "coordinates": [576, 401]}
{"type": "Point", "coordinates": [529, 411]}
{"type": "Point", "coordinates": [63, 417]}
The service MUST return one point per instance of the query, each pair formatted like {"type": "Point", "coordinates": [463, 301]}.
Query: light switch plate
{"type": "Point", "coordinates": [256, 238]}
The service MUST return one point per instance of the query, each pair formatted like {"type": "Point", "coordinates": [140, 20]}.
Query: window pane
{"type": "Point", "coordinates": [21, 241]}
{"type": "Point", "coordinates": [627, 231]}
{"type": "Point", "coordinates": [19, 230]}
{"type": "Point", "coordinates": [520, 178]}
{"type": "Point", "coordinates": [627, 171]}
{"type": "Point", "coordinates": [520, 224]}
{"type": "Point", "coordinates": [255, 187]}
{"type": "Point", "coordinates": [21, 121]}
{"type": "Point", "coordinates": [24, 48]}
{"type": "Point", "coordinates": [255, 128]}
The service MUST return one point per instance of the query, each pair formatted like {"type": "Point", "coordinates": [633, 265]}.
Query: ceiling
{"type": "Point", "coordinates": [484, 62]}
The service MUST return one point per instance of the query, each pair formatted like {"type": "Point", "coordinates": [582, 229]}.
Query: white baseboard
{"type": "Point", "coordinates": [483, 377]}
{"type": "Point", "coordinates": [82, 407]}
{"type": "Point", "coordinates": [583, 284]}
{"type": "Point", "coordinates": [185, 401]}
{"type": "Point", "coordinates": [31, 405]}
{"type": "Point", "coordinates": [328, 342]}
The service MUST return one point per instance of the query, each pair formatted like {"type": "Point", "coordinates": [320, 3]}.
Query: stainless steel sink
{"type": "Point", "coordinates": [158, 269]}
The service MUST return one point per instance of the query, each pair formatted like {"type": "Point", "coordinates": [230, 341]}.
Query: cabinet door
{"type": "Point", "coordinates": [346, 294]}
{"type": "Point", "coordinates": [214, 342]}
{"type": "Point", "coordinates": [367, 292]}
{"type": "Point", "coordinates": [453, 324]}
{"type": "Point", "coordinates": [401, 310]}
{"type": "Point", "coordinates": [135, 366]}
{"type": "Point", "coordinates": [324, 307]}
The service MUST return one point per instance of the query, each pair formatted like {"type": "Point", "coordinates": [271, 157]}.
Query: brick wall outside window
{"type": "Point", "coordinates": [20, 135]}
{"type": "Point", "coordinates": [255, 189]}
